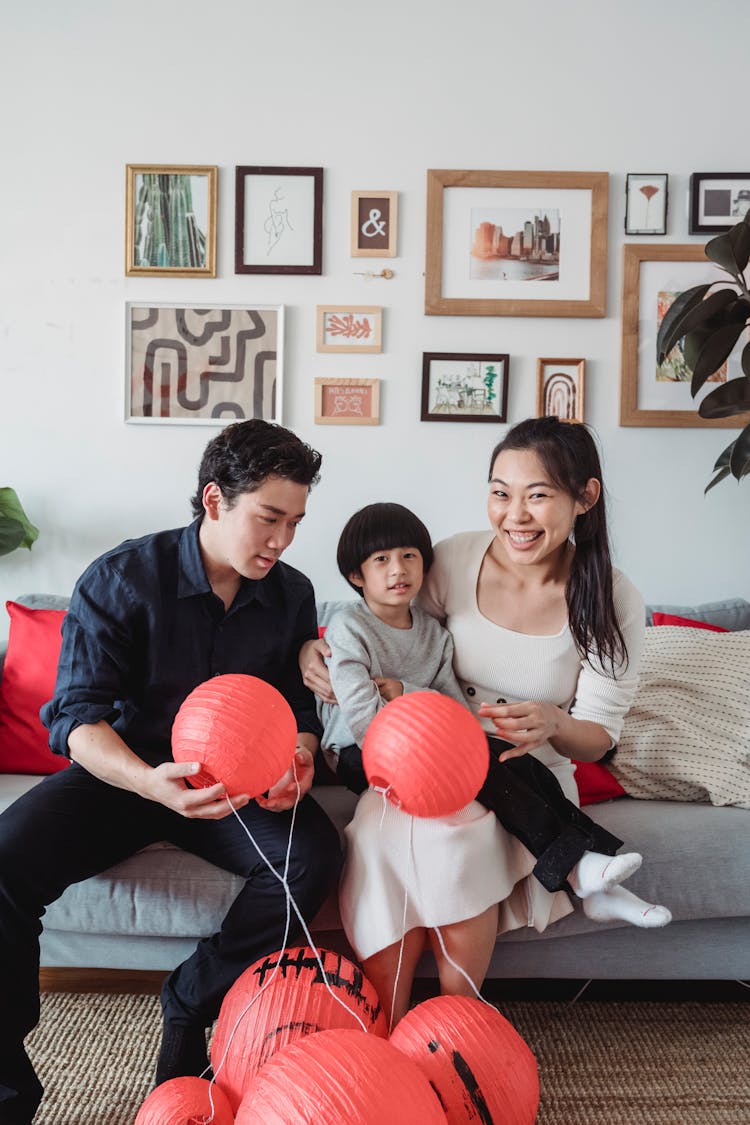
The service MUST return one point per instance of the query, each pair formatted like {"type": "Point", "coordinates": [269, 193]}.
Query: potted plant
{"type": "Point", "coordinates": [709, 320]}
{"type": "Point", "coordinates": [16, 530]}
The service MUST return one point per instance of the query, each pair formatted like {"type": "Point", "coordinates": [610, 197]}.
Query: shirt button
{"type": "Point", "coordinates": [471, 691]}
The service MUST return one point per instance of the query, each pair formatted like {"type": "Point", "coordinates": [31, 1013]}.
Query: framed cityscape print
{"type": "Point", "coordinates": [516, 243]}
{"type": "Point", "coordinates": [646, 200]}
{"type": "Point", "coordinates": [347, 402]}
{"type": "Point", "coordinates": [464, 387]}
{"type": "Point", "coordinates": [170, 220]}
{"type": "Point", "coordinates": [203, 366]}
{"type": "Point", "coordinates": [652, 394]}
{"type": "Point", "coordinates": [718, 200]}
{"type": "Point", "coordinates": [374, 224]}
{"type": "Point", "coordinates": [560, 388]}
{"type": "Point", "coordinates": [349, 328]}
{"type": "Point", "coordinates": [278, 220]}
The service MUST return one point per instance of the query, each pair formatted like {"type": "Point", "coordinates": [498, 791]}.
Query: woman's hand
{"type": "Point", "coordinates": [297, 779]}
{"type": "Point", "coordinates": [314, 671]}
{"type": "Point", "coordinates": [528, 725]}
{"type": "Point", "coordinates": [389, 689]}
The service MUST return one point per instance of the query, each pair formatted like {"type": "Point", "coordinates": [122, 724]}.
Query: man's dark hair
{"type": "Point", "coordinates": [379, 527]}
{"type": "Point", "coordinates": [244, 454]}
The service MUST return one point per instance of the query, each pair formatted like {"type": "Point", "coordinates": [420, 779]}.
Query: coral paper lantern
{"type": "Point", "coordinates": [428, 752]}
{"type": "Point", "coordinates": [296, 1001]}
{"type": "Point", "coordinates": [185, 1101]}
{"type": "Point", "coordinates": [241, 730]}
{"type": "Point", "coordinates": [339, 1076]}
{"type": "Point", "coordinates": [480, 1066]}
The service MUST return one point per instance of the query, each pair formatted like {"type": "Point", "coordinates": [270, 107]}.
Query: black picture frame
{"type": "Point", "coordinates": [450, 390]}
{"type": "Point", "coordinates": [263, 197]}
{"type": "Point", "coordinates": [732, 189]}
{"type": "Point", "coordinates": [641, 216]}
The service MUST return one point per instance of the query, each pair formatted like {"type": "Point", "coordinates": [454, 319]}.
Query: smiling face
{"type": "Point", "coordinates": [532, 516]}
{"type": "Point", "coordinates": [246, 539]}
{"type": "Point", "coordinates": [389, 580]}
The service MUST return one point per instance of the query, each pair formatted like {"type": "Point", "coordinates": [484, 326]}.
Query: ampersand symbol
{"type": "Point", "coordinates": [373, 227]}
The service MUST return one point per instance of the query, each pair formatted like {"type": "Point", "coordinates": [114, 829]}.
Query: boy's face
{"type": "Point", "coordinates": [390, 578]}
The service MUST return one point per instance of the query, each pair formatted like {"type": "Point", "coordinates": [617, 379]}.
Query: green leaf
{"type": "Point", "coordinates": [705, 352]}
{"type": "Point", "coordinates": [11, 513]}
{"type": "Point", "coordinates": [745, 361]}
{"type": "Point", "coordinates": [666, 338]}
{"type": "Point", "coordinates": [693, 316]}
{"type": "Point", "coordinates": [731, 249]}
{"type": "Point", "coordinates": [739, 463]}
{"type": "Point", "coordinates": [730, 398]}
{"type": "Point", "coordinates": [722, 460]}
{"type": "Point", "coordinates": [11, 535]}
{"type": "Point", "coordinates": [719, 477]}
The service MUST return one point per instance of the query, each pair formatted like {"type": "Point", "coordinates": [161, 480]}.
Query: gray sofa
{"type": "Point", "coordinates": [148, 912]}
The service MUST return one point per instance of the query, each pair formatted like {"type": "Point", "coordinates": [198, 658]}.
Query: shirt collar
{"type": "Point", "coordinates": [192, 578]}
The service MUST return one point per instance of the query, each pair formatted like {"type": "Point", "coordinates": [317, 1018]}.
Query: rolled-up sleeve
{"type": "Point", "coordinates": [93, 671]}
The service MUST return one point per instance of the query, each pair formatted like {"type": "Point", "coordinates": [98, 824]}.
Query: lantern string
{"type": "Point", "coordinates": [460, 969]}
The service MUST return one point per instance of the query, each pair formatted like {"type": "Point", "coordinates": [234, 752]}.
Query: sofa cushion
{"type": "Point", "coordinates": [687, 735]}
{"type": "Point", "coordinates": [688, 622]}
{"type": "Point", "coordinates": [731, 613]}
{"type": "Point", "coordinates": [27, 682]}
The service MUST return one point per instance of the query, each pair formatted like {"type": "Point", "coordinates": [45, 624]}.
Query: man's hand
{"type": "Point", "coordinates": [389, 689]}
{"type": "Point", "coordinates": [314, 670]}
{"type": "Point", "coordinates": [166, 784]}
{"type": "Point", "coordinates": [297, 780]}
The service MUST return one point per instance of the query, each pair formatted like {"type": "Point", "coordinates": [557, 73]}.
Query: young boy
{"type": "Point", "coordinates": [383, 647]}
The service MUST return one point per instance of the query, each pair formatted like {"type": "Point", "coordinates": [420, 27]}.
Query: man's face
{"type": "Point", "coordinates": [251, 536]}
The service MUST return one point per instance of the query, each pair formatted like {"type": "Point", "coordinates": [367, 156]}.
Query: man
{"type": "Point", "coordinates": [148, 622]}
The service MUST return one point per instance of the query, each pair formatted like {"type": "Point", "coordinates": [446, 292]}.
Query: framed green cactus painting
{"type": "Point", "coordinates": [170, 220]}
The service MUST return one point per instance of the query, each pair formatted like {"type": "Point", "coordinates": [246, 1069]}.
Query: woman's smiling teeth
{"type": "Point", "coordinates": [523, 536]}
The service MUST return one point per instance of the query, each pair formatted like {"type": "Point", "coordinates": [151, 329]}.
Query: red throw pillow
{"type": "Point", "coordinates": [595, 783]}
{"type": "Point", "coordinates": [671, 619]}
{"type": "Point", "coordinates": [28, 681]}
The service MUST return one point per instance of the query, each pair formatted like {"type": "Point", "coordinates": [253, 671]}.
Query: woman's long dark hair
{"type": "Point", "coordinates": [569, 454]}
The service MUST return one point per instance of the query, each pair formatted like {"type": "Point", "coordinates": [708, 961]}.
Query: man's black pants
{"type": "Point", "coordinates": [72, 826]}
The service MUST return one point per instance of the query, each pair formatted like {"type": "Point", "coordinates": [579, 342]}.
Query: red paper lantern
{"type": "Point", "coordinates": [340, 1076]}
{"type": "Point", "coordinates": [185, 1101]}
{"type": "Point", "coordinates": [241, 730]}
{"type": "Point", "coordinates": [480, 1066]}
{"type": "Point", "coordinates": [297, 1002]}
{"type": "Point", "coordinates": [428, 752]}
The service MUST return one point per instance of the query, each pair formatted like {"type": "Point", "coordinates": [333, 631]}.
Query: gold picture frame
{"type": "Point", "coordinates": [561, 389]}
{"type": "Point", "coordinates": [578, 202]}
{"type": "Point", "coordinates": [651, 275]}
{"type": "Point", "coordinates": [347, 402]}
{"type": "Point", "coordinates": [170, 220]}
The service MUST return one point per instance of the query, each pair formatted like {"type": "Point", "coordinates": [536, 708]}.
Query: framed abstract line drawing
{"type": "Point", "coordinates": [516, 243]}
{"type": "Point", "coordinates": [653, 394]}
{"type": "Point", "coordinates": [349, 328]}
{"type": "Point", "coordinates": [278, 220]}
{"type": "Point", "coordinates": [646, 201]}
{"type": "Point", "coordinates": [170, 220]}
{"type": "Point", "coordinates": [374, 224]}
{"type": "Point", "coordinates": [464, 387]}
{"type": "Point", "coordinates": [718, 200]}
{"type": "Point", "coordinates": [347, 402]}
{"type": "Point", "coordinates": [204, 366]}
{"type": "Point", "coordinates": [560, 388]}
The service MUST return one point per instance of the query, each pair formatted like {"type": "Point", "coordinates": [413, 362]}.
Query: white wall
{"type": "Point", "coordinates": [376, 94]}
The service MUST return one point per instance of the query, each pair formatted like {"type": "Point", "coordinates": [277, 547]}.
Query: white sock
{"type": "Point", "coordinates": [617, 904]}
{"type": "Point", "coordinates": [596, 872]}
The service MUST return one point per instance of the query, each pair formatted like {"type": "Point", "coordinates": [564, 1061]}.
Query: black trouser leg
{"type": "Point", "coordinates": [255, 923]}
{"type": "Point", "coordinates": [528, 801]}
{"type": "Point", "coordinates": [67, 828]}
{"type": "Point", "coordinates": [350, 771]}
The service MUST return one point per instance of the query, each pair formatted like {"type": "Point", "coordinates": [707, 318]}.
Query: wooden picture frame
{"type": "Point", "coordinates": [554, 264]}
{"type": "Point", "coordinates": [374, 224]}
{"type": "Point", "coordinates": [207, 365]}
{"type": "Point", "coordinates": [347, 402]}
{"type": "Point", "coordinates": [464, 387]}
{"type": "Point", "coordinates": [278, 225]}
{"type": "Point", "coordinates": [649, 395]}
{"type": "Point", "coordinates": [561, 389]}
{"type": "Point", "coordinates": [646, 203]}
{"type": "Point", "coordinates": [718, 201]}
{"type": "Point", "coordinates": [349, 328]}
{"type": "Point", "coordinates": [170, 220]}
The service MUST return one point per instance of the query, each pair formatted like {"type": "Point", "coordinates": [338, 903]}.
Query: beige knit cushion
{"type": "Point", "coordinates": [687, 736]}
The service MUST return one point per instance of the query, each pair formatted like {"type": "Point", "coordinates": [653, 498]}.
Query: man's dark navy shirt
{"type": "Point", "coordinates": [144, 628]}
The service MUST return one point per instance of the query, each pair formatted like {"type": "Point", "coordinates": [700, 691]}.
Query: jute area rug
{"type": "Point", "coordinates": [600, 1062]}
